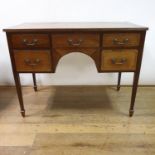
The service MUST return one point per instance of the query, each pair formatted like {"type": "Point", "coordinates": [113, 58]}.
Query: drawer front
{"type": "Point", "coordinates": [116, 60]}
{"type": "Point", "coordinates": [32, 60]}
{"type": "Point", "coordinates": [121, 39]}
{"type": "Point", "coordinates": [26, 41]}
{"type": "Point", "coordinates": [75, 40]}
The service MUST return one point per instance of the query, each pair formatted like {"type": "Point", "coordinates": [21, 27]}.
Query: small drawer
{"type": "Point", "coordinates": [26, 41]}
{"type": "Point", "coordinates": [75, 40]}
{"type": "Point", "coordinates": [121, 39]}
{"type": "Point", "coordinates": [116, 60]}
{"type": "Point", "coordinates": [32, 60]}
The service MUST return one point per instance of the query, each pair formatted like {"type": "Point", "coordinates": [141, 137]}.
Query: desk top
{"type": "Point", "coordinates": [68, 26]}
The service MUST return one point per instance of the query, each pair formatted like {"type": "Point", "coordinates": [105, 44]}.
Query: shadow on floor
{"type": "Point", "coordinates": [5, 99]}
{"type": "Point", "coordinates": [79, 97]}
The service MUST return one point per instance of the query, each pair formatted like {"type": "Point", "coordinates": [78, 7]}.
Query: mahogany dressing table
{"type": "Point", "coordinates": [114, 47]}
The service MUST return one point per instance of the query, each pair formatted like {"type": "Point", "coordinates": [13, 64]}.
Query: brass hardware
{"type": "Point", "coordinates": [32, 63]}
{"type": "Point", "coordinates": [118, 62]}
{"type": "Point", "coordinates": [27, 43]}
{"type": "Point", "coordinates": [75, 43]}
{"type": "Point", "coordinates": [117, 42]}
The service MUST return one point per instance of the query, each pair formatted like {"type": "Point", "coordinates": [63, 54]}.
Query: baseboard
{"type": "Point", "coordinates": [76, 85]}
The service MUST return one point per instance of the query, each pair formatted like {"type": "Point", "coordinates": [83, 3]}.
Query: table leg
{"type": "Point", "coordinates": [34, 82]}
{"type": "Point", "coordinates": [134, 92]}
{"type": "Point", "coordinates": [19, 93]}
{"type": "Point", "coordinates": [119, 81]}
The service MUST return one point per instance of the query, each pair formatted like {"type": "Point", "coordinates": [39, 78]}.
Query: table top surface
{"type": "Point", "coordinates": [76, 26]}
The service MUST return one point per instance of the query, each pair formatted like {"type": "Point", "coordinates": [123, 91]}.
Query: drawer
{"type": "Point", "coordinates": [75, 40]}
{"type": "Point", "coordinates": [121, 39]}
{"type": "Point", "coordinates": [116, 60]}
{"type": "Point", "coordinates": [26, 41]}
{"type": "Point", "coordinates": [32, 60]}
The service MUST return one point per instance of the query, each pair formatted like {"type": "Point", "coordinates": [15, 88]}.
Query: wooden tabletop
{"type": "Point", "coordinates": [76, 26]}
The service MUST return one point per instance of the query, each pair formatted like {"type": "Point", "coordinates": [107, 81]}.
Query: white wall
{"type": "Point", "coordinates": [78, 68]}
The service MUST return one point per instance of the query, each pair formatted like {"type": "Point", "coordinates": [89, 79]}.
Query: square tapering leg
{"type": "Point", "coordinates": [34, 82]}
{"type": "Point", "coordinates": [19, 93]}
{"type": "Point", "coordinates": [119, 81]}
{"type": "Point", "coordinates": [134, 92]}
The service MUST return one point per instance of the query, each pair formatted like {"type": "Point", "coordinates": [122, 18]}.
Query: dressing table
{"type": "Point", "coordinates": [38, 47]}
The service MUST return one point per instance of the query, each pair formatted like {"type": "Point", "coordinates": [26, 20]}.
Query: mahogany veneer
{"type": "Point", "coordinates": [114, 47]}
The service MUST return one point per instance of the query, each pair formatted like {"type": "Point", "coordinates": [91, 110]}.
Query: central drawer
{"type": "Point", "coordinates": [75, 40]}
{"type": "Point", "coordinates": [32, 60]}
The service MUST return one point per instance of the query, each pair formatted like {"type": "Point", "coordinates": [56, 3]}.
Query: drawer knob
{"type": "Point", "coordinates": [32, 43]}
{"type": "Point", "coordinates": [32, 63]}
{"type": "Point", "coordinates": [74, 43]}
{"type": "Point", "coordinates": [118, 61]}
{"type": "Point", "coordinates": [117, 42]}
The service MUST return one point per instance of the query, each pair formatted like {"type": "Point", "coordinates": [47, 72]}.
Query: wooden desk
{"type": "Point", "coordinates": [114, 47]}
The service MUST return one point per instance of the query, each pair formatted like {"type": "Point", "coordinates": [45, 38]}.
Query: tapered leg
{"type": "Point", "coordinates": [34, 82]}
{"type": "Point", "coordinates": [119, 81]}
{"type": "Point", "coordinates": [19, 93]}
{"type": "Point", "coordinates": [134, 92]}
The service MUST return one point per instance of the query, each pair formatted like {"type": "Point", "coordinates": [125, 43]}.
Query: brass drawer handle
{"type": "Point", "coordinates": [118, 62]}
{"type": "Point", "coordinates": [32, 63]}
{"type": "Point", "coordinates": [117, 42]}
{"type": "Point", "coordinates": [27, 43]}
{"type": "Point", "coordinates": [74, 43]}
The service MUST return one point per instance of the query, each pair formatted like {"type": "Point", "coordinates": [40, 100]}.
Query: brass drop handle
{"type": "Point", "coordinates": [117, 42]}
{"type": "Point", "coordinates": [118, 61]}
{"type": "Point", "coordinates": [75, 43]}
{"type": "Point", "coordinates": [32, 43]}
{"type": "Point", "coordinates": [32, 63]}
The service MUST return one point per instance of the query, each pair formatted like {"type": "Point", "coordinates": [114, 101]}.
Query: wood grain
{"type": "Point", "coordinates": [42, 41]}
{"type": "Point", "coordinates": [129, 57]}
{"type": "Point", "coordinates": [71, 37]}
{"type": "Point", "coordinates": [78, 40]}
{"type": "Point", "coordinates": [43, 56]}
{"type": "Point", "coordinates": [133, 39]}
{"type": "Point", "coordinates": [70, 119]}
{"type": "Point", "coordinates": [78, 26]}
